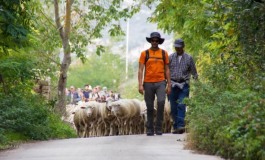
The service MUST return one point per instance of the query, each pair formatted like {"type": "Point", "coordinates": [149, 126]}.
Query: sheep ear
{"type": "Point", "coordinates": [73, 112]}
{"type": "Point", "coordinates": [82, 107]}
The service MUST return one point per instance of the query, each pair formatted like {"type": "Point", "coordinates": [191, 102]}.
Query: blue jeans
{"type": "Point", "coordinates": [178, 109]}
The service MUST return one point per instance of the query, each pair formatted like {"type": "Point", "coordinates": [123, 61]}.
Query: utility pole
{"type": "Point", "coordinates": [127, 48]}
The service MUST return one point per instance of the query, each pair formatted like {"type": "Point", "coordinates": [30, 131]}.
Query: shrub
{"type": "Point", "coordinates": [244, 137]}
{"type": "Point", "coordinates": [30, 116]}
{"type": "Point", "coordinates": [228, 123]}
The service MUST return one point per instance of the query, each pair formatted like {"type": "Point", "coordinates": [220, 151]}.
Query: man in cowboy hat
{"type": "Point", "coordinates": [154, 61]}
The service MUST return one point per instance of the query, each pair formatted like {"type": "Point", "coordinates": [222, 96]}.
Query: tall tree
{"type": "Point", "coordinates": [64, 32]}
{"type": "Point", "coordinates": [84, 21]}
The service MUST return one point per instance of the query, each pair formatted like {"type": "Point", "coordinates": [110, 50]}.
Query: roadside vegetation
{"type": "Point", "coordinates": [226, 113]}
{"type": "Point", "coordinates": [27, 117]}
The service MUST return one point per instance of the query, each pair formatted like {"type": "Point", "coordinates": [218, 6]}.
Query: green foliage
{"type": "Point", "coordinates": [105, 70]}
{"type": "Point", "coordinates": [230, 124]}
{"type": "Point", "coordinates": [90, 20]}
{"type": "Point", "coordinates": [24, 117]}
{"type": "Point", "coordinates": [59, 129]}
{"type": "Point", "coordinates": [249, 19]}
{"type": "Point", "coordinates": [129, 89]}
{"type": "Point", "coordinates": [185, 19]}
{"type": "Point", "coordinates": [246, 132]}
{"type": "Point", "coordinates": [227, 40]}
{"type": "Point", "coordinates": [15, 23]}
{"type": "Point", "coordinates": [15, 70]}
{"type": "Point", "coordinates": [100, 49]}
{"type": "Point", "coordinates": [28, 116]}
{"type": "Point", "coordinates": [23, 65]}
{"type": "Point", "coordinates": [27, 45]}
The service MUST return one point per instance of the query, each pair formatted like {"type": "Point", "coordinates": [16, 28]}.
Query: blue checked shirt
{"type": "Point", "coordinates": [181, 71]}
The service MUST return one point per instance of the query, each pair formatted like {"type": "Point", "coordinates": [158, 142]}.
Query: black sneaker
{"type": "Point", "coordinates": [149, 133]}
{"type": "Point", "coordinates": [175, 131]}
{"type": "Point", "coordinates": [179, 130]}
{"type": "Point", "coordinates": [159, 133]}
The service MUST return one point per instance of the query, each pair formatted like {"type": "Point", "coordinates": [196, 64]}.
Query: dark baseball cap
{"type": "Point", "coordinates": [179, 43]}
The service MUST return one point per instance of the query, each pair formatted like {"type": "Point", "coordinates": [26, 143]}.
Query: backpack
{"type": "Point", "coordinates": [163, 57]}
{"type": "Point", "coordinates": [147, 56]}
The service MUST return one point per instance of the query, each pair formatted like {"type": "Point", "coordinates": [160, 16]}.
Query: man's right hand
{"type": "Point", "coordinates": [141, 89]}
{"type": "Point", "coordinates": [168, 89]}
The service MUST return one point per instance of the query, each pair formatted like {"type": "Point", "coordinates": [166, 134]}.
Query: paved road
{"type": "Point", "coordinates": [134, 147]}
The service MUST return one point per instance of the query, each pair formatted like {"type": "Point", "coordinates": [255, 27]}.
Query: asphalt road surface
{"type": "Point", "coordinates": [133, 147]}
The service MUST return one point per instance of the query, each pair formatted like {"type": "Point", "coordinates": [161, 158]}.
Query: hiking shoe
{"type": "Point", "coordinates": [175, 131]}
{"type": "Point", "coordinates": [179, 130]}
{"type": "Point", "coordinates": [159, 133]}
{"type": "Point", "coordinates": [149, 133]}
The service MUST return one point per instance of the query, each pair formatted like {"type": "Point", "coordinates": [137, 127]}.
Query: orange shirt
{"type": "Point", "coordinates": [154, 67]}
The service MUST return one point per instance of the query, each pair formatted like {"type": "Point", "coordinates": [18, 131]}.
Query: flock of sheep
{"type": "Point", "coordinates": [121, 117]}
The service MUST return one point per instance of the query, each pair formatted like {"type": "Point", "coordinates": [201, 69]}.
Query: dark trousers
{"type": "Point", "coordinates": [178, 109]}
{"type": "Point", "coordinates": [150, 90]}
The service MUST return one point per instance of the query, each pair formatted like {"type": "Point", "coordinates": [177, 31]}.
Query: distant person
{"type": "Point", "coordinates": [94, 96]}
{"type": "Point", "coordinates": [181, 68]}
{"type": "Point", "coordinates": [73, 97]}
{"type": "Point", "coordinates": [103, 94]}
{"type": "Point", "coordinates": [105, 90]}
{"type": "Point", "coordinates": [98, 88]}
{"type": "Point", "coordinates": [153, 77]}
{"type": "Point", "coordinates": [86, 93]}
{"type": "Point", "coordinates": [80, 93]}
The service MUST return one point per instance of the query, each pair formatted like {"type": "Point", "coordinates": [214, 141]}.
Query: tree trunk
{"type": "Point", "coordinates": [60, 108]}
{"type": "Point", "coordinates": [64, 32]}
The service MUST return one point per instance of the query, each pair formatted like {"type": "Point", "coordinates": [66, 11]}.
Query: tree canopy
{"type": "Point", "coordinates": [15, 24]}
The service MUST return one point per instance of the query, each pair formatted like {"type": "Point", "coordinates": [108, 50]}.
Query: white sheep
{"type": "Point", "coordinates": [84, 118]}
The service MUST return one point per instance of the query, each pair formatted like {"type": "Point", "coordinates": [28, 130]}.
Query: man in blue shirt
{"type": "Point", "coordinates": [86, 93]}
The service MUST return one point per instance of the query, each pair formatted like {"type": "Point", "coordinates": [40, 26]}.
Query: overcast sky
{"type": "Point", "coordinates": [139, 29]}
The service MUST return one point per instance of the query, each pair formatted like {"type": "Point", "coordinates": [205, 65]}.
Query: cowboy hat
{"type": "Point", "coordinates": [155, 35]}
